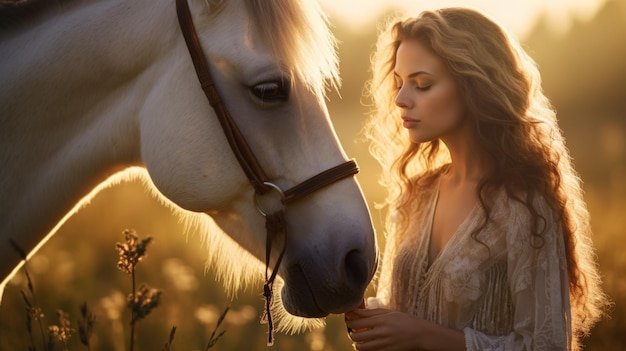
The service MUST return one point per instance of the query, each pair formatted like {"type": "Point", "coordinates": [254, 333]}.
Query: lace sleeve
{"type": "Point", "coordinates": [539, 288]}
{"type": "Point", "coordinates": [383, 285]}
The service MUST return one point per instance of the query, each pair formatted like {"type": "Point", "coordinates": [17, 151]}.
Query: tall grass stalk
{"type": "Point", "coordinates": [141, 301]}
{"type": "Point", "coordinates": [33, 311]}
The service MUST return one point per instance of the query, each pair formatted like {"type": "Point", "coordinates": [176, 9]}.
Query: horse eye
{"type": "Point", "coordinates": [271, 92]}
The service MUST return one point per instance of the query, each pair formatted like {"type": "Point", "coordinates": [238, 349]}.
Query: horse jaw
{"type": "Point", "coordinates": [244, 272]}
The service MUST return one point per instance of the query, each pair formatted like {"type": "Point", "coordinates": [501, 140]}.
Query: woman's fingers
{"type": "Point", "coordinates": [362, 335]}
{"type": "Point", "coordinates": [364, 312]}
{"type": "Point", "coordinates": [352, 315]}
{"type": "Point", "coordinates": [367, 340]}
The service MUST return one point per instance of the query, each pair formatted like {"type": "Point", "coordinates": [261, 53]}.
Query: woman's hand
{"type": "Point", "coordinates": [383, 330]}
{"type": "Point", "coordinates": [386, 330]}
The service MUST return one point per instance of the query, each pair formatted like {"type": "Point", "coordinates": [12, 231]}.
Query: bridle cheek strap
{"type": "Point", "coordinates": [238, 144]}
{"type": "Point", "coordinates": [274, 222]}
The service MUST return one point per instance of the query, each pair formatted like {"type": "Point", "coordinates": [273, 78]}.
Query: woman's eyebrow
{"type": "Point", "coordinates": [412, 75]}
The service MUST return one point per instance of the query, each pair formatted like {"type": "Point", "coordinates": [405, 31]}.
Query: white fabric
{"type": "Point", "coordinates": [501, 291]}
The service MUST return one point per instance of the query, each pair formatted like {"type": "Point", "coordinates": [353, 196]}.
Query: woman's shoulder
{"type": "Point", "coordinates": [521, 215]}
{"type": "Point", "coordinates": [524, 203]}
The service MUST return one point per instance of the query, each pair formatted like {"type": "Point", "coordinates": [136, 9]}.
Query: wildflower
{"type": "Point", "coordinates": [63, 331]}
{"type": "Point", "coordinates": [132, 251]}
{"type": "Point", "coordinates": [143, 302]}
{"type": "Point", "coordinates": [34, 313]}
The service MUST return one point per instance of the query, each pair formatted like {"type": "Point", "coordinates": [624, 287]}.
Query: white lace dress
{"type": "Point", "coordinates": [503, 293]}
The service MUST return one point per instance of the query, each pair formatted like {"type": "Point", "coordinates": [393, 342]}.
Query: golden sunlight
{"type": "Point", "coordinates": [517, 15]}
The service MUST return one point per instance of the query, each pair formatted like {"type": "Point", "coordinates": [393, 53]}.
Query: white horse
{"type": "Point", "coordinates": [95, 91]}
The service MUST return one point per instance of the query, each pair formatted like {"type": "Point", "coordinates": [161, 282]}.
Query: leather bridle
{"type": "Point", "coordinates": [275, 221]}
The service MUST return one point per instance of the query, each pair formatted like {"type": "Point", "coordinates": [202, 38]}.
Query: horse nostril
{"type": "Point", "coordinates": [356, 269]}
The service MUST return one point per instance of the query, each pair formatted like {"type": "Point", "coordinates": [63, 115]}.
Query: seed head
{"type": "Point", "coordinates": [145, 300]}
{"type": "Point", "coordinates": [131, 251]}
{"type": "Point", "coordinates": [63, 331]}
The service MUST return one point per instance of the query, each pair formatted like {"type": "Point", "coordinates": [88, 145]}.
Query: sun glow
{"type": "Point", "coordinates": [517, 15]}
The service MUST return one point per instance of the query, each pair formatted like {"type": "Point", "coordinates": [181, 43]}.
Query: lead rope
{"type": "Point", "coordinates": [276, 227]}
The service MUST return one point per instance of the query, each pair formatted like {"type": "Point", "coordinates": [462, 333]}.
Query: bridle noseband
{"type": "Point", "coordinates": [275, 220]}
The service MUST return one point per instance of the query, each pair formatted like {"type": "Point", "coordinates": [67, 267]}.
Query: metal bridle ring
{"type": "Point", "coordinates": [276, 189]}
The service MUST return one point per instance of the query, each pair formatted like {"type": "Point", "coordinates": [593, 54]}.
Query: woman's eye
{"type": "Point", "coordinates": [423, 87]}
{"type": "Point", "coordinates": [271, 92]}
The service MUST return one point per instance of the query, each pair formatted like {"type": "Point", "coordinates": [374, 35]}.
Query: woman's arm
{"type": "Point", "coordinates": [538, 282]}
{"type": "Point", "coordinates": [386, 330]}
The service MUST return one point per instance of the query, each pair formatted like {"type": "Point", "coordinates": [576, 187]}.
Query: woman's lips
{"type": "Point", "coordinates": [409, 122]}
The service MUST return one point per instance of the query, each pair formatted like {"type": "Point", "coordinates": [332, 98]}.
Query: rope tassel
{"type": "Point", "coordinates": [267, 315]}
{"type": "Point", "coordinates": [276, 227]}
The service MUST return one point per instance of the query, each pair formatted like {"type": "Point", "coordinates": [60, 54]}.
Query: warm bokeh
{"type": "Point", "coordinates": [584, 72]}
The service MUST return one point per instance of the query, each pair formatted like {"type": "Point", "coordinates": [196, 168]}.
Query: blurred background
{"type": "Point", "coordinates": [581, 51]}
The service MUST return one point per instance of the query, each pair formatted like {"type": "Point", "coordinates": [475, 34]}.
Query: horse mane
{"type": "Point", "coordinates": [235, 268]}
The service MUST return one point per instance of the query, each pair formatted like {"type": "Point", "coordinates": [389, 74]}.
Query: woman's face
{"type": "Point", "coordinates": [428, 95]}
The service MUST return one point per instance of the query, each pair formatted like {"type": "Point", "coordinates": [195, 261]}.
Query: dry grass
{"type": "Point", "coordinates": [140, 302]}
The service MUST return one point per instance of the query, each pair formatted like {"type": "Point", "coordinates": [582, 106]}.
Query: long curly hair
{"type": "Point", "coordinates": [513, 121]}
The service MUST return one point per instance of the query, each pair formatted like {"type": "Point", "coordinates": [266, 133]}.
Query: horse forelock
{"type": "Point", "coordinates": [298, 34]}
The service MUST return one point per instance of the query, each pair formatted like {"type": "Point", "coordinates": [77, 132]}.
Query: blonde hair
{"type": "Point", "coordinates": [512, 120]}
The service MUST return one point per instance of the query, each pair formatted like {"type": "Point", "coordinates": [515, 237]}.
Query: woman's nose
{"type": "Point", "coordinates": [402, 100]}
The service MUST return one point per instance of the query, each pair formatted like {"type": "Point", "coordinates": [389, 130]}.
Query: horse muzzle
{"type": "Point", "coordinates": [314, 290]}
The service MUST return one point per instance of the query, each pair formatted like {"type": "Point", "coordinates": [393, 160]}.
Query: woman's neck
{"type": "Point", "coordinates": [469, 161]}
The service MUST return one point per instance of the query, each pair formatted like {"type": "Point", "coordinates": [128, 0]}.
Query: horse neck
{"type": "Point", "coordinates": [72, 86]}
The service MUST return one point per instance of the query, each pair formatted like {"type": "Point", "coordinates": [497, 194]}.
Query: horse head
{"type": "Point", "coordinates": [272, 63]}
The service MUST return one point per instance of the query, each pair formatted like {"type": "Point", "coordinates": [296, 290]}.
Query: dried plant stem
{"type": "Point", "coordinates": [34, 309]}
{"type": "Point", "coordinates": [168, 345]}
{"type": "Point", "coordinates": [140, 304]}
{"type": "Point", "coordinates": [213, 339]}
{"type": "Point", "coordinates": [29, 320]}
{"type": "Point", "coordinates": [85, 325]}
{"type": "Point", "coordinates": [132, 311]}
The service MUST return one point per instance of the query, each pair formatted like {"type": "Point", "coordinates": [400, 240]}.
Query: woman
{"type": "Point", "coordinates": [488, 239]}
